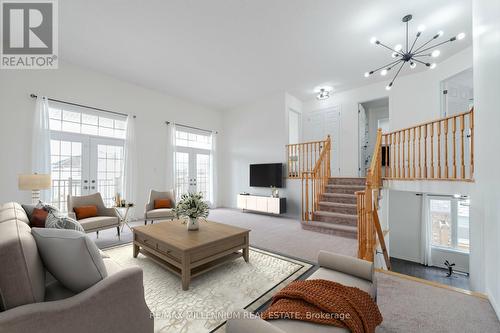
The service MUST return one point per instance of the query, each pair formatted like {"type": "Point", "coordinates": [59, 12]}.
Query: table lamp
{"type": "Point", "coordinates": [34, 183]}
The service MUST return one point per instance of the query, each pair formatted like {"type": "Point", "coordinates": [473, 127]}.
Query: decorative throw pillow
{"type": "Point", "coordinates": [163, 203]}
{"type": "Point", "coordinates": [47, 207]}
{"type": "Point", "coordinates": [38, 218]}
{"type": "Point", "coordinates": [28, 208]}
{"type": "Point", "coordinates": [71, 257]}
{"type": "Point", "coordinates": [84, 212]}
{"type": "Point", "coordinates": [58, 221]}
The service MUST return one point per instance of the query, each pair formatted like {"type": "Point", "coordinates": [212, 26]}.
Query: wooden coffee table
{"type": "Point", "coordinates": [190, 253]}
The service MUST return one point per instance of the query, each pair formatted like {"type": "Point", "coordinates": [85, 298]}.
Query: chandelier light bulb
{"type": "Point", "coordinates": [440, 33]}
{"type": "Point", "coordinates": [367, 74]}
{"type": "Point", "coordinates": [388, 87]}
{"type": "Point", "coordinates": [413, 65]}
{"type": "Point", "coordinates": [373, 40]}
{"type": "Point", "coordinates": [383, 72]}
{"type": "Point", "coordinates": [433, 65]}
{"type": "Point", "coordinates": [398, 47]}
{"type": "Point", "coordinates": [460, 36]}
{"type": "Point", "coordinates": [435, 53]}
{"type": "Point", "coordinates": [421, 28]}
{"type": "Point", "coordinates": [395, 54]}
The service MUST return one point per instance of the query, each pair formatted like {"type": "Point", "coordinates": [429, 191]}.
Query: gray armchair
{"type": "Point", "coordinates": [152, 214]}
{"type": "Point", "coordinates": [106, 217]}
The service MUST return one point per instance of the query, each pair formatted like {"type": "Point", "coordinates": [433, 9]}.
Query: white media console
{"type": "Point", "coordinates": [261, 204]}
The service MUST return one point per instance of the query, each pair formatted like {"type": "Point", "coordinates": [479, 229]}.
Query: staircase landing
{"type": "Point", "coordinates": [337, 214]}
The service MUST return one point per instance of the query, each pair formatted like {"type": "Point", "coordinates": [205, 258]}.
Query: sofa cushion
{"type": "Point", "coordinates": [22, 277]}
{"type": "Point", "coordinates": [345, 279]}
{"type": "Point", "coordinates": [98, 222]}
{"type": "Point", "coordinates": [71, 257]}
{"type": "Point", "coordinates": [12, 210]}
{"type": "Point", "coordinates": [160, 213]}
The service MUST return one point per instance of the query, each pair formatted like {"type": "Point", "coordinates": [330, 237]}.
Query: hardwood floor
{"type": "Point", "coordinates": [435, 274]}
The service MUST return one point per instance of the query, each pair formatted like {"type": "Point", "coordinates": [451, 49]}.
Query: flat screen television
{"type": "Point", "coordinates": [266, 175]}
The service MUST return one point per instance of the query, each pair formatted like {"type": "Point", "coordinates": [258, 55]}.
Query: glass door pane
{"type": "Point", "coordinates": [107, 169]}
{"type": "Point", "coordinates": [441, 222]}
{"type": "Point", "coordinates": [67, 169]}
{"type": "Point", "coordinates": [203, 175]}
{"type": "Point", "coordinates": [182, 174]}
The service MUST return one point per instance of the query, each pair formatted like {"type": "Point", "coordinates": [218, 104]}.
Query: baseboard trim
{"type": "Point", "coordinates": [494, 305]}
{"type": "Point", "coordinates": [435, 284]}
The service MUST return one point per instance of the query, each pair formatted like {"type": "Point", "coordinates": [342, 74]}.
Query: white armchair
{"type": "Point", "coordinates": [106, 217]}
{"type": "Point", "coordinates": [152, 214]}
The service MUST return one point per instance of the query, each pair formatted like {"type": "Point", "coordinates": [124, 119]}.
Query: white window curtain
{"type": "Point", "coordinates": [171, 150]}
{"type": "Point", "coordinates": [40, 154]}
{"type": "Point", "coordinates": [213, 172]}
{"type": "Point", "coordinates": [426, 234]}
{"type": "Point", "coordinates": [130, 163]}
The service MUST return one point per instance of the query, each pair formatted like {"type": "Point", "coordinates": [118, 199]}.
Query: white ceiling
{"type": "Point", "coordinates": [222, 53]}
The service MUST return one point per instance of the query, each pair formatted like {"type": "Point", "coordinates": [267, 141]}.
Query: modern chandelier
{"type": "Point", "coordinates": [411, 54]}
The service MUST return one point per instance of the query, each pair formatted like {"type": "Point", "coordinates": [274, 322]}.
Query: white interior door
{"type": "Point", "coordinates": [319, 124]}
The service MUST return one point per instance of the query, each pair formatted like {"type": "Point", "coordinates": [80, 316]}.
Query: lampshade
{"type": "Point", "coordinates": [35, 181]}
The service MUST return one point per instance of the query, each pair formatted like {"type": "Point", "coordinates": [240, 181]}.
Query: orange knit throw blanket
{"type": "Point", "coordinates": [326, 302]}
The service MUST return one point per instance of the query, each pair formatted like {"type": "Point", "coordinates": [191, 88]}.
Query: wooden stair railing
{"type": "Point", "coordinates": [442, 149]}
{"type": "Point", "coordinates": [302, 157]}
{"type": "Point", "coordinates": [314, 182]}
{"type": "Point", "coordinates": [367, 202]}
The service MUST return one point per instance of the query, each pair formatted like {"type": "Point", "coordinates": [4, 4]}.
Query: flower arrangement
{"type": "Point", "coordinates": [192, 206]}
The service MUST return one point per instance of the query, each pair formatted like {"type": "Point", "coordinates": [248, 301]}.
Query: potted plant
{"type": "Point", "coordinates": [193, 207]}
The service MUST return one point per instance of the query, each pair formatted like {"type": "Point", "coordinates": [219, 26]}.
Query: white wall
{"type": "Point", "coordinates": [405, 210]}
{"type": "Point", "coordinates": [413, 99]}
{"type": "Point", "coordinates": [485, 228]}
{"type": "Point", "coordinates": [86, 87]}
{"type": "Point", "coordinates": [256, 133]}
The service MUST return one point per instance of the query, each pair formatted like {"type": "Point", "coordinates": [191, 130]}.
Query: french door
{"type": "Point", "coordinates": [192, 171]}
{"type": "Point", "coordinates": [82, 165]}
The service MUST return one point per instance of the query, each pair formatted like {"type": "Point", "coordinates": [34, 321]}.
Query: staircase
{"type": "Point", "coordinates": [337, 210]}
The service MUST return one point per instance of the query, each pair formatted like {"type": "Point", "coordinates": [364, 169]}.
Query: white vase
{"type": "Point", "coordinates": [192, 224]}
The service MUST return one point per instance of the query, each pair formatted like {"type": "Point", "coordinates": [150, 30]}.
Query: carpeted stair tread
{"type": "Point", "coordinates": [329, 228]}
{"type": "Point", "coordinates": [339, 195]}
{"type": "Point", "coordinates": [337, 204]}
{"type": "Point", "coordinates": [339, 215]}
{"type": "Point", "coordinates": [357, 187]}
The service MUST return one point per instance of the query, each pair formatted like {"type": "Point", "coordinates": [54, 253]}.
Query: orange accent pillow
{"type": "Point", "coordinates": [163, 203]}
{"type": "Point", "coordinates": [38, 217]}
{"type": "Point", "coordinates": [85, 212]}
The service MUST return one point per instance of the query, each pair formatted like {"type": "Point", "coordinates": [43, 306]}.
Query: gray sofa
{"type": "Point", "coordinates": [346, 270]}
{"type": "Point", "coordinates": [31, 300]}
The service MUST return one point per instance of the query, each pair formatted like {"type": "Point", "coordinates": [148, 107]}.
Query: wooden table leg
{"type": "Point", "coordinates": [136, 250]}
{"type": "Point", "coordinates": [186, 271]}
{"type": "Point", "coordinates": [246, 250]}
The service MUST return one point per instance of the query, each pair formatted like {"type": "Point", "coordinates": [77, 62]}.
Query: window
{"type": "Point", "coordinates": [193, 140]}
{"type": "Point", "coordinates": [72, 121]}
{"type": "Point", "coordinates": [450, 223]}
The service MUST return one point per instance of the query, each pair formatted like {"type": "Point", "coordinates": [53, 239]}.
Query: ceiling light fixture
{"type": "Point", "coordinates": [324, 92]}
{"type": "Point", "coordinates": [411, 54]}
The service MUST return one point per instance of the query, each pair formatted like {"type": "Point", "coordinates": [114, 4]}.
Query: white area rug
{"type": "Point", "coordinates": [214, 295]}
